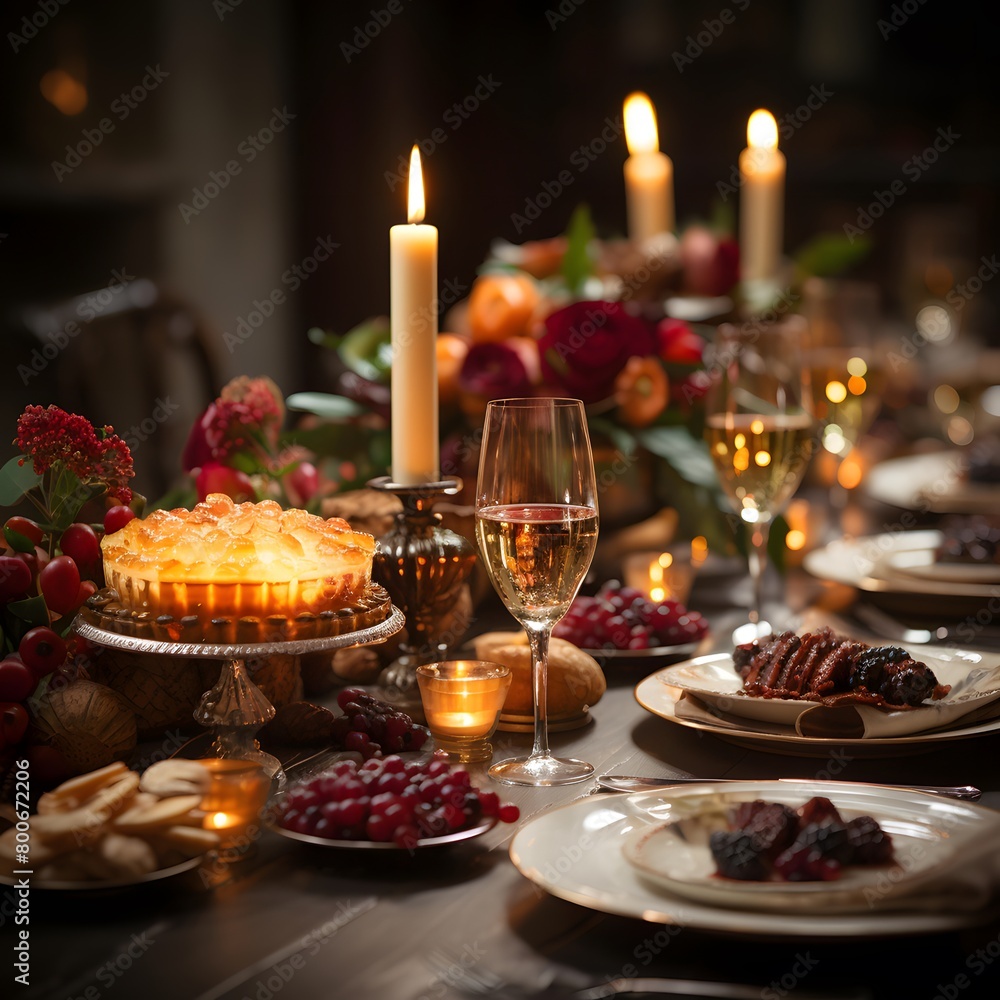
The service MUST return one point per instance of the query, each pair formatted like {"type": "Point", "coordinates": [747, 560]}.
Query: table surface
{"type": "Point", "coordinates": [306, 922]}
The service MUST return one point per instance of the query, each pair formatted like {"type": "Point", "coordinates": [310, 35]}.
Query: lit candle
{"type": "Point", "coordinates": [762, 199]}
{"type": "Point", "coordinates": [462, 701]}
{"type": "Point", "coordinates": [413, 299]}
{"type": "Point", "coordinates": [649, 174]}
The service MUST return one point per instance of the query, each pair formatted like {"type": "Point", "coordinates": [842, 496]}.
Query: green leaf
{"type": "Point", "coordinates": [324, 339]}
{"type": "Point", "coordinates": [17, 541]}
{"type": "Point", "coordinates": [249, 464]}
{"type": "Point", "coordinates": [324, 404]}
{"type": "Point", "coordinates": [621, 439]}
{"type": "Point", "coordinates": [687, 456]}
{"type": "Point", "coordinates": [577, 264]}
{"type": "Point", "coordinates": [367, 349]}
{"type": "Point", "coordinates": [31, 610]}
{"type": "Point", "coordinates": [830, 253]}
{"type": "Point", "coordinates": [16, 480]}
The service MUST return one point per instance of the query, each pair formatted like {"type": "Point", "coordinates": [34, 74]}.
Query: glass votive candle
{"type": "Point", "coordinates": [234, 802]}
{"type": "Point", "coordinates": [462, 702]}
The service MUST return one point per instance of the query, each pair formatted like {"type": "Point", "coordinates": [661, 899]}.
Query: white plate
{"type": "Point", "coordinates": [934, 482]}
{"type": "Point", "coordinates": [662, 700]}
{"type": "Point", "coordinates": [921, 563]}
{"type": "Point", "coordinates": [576, 852]}
{"type": "Point", "coordinates": [676, 854]}
{"type": "Point", "coordinates": [882, 565]}
{"type": "Point", "coordinates": [109, 885]}
{"type": "Point", "coordinates": [974, 680]}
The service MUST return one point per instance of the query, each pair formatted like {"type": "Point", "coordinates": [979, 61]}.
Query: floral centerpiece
{"type": "Point", "coordinates": [618, 324]}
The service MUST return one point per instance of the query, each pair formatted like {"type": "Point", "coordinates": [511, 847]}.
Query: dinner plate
{"type": "Point", "coordinates": [577, 852]}
{"type": "Point", "coordinates": [676, 854]}
{"type": "Point", "coordinates": [882, 567]}
{"type": "Point", "coordinates": [974, 679]}
{"type": "Point", "coordinates": [933, 482]}
{"type": "Point", "coordinates": [103, 885]}
{"type": "Point", "coordinates": [663, 700]}
{"type": "Point", "coordinates": [674, 652]}
{"type": "Point", "coordinates": [376, 845]}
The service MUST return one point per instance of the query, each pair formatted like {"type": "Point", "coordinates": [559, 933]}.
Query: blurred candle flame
{"type": "Point", "coordinates": [640, 125]}
{"type": "Point", "coordinates": [762, 130]}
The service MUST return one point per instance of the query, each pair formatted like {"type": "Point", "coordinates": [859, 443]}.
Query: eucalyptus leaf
{"type": "Point", "coordinates": [688, 456]}
{"type": "Point", "coordinates": [16, 480]}
{"type": "Point", "coordinates": [623, 440]}
{"type": "Point", "coordinates": [367, 349]}
{"type": "Point", "coordinates": [324, 404]}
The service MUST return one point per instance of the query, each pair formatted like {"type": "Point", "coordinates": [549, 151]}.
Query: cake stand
{"type": "Point", "coordinates": [236, 708]}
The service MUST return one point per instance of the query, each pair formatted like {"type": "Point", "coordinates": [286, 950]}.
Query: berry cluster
{"type": "Point", "coordinates": [624, 618]}
{"type": "Point", "coordinates": [390, 799]}
{"type": "Point", "coordinates": [770, 842]}
{"type": "Point", "coordinates": [39, 594]}
{"type": "Point", "coordinates": [370, 726]}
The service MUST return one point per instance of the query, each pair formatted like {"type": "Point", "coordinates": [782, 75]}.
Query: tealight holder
{"type": "Point", "coordinates": [462, 702]}
{"type": "Point", "coordinates": [423, 566]}
{"type": "Point", "coordinates": [233, 804]}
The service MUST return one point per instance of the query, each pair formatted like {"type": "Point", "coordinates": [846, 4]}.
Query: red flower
{"type": "Point", "coordinates": [247, 416]}
{"type": "Point", "coordinates": [678, 342]}
{"type": "Point", "coordinates": [586, 345]}
{"type": "Point", "coordinates": [50, 435]}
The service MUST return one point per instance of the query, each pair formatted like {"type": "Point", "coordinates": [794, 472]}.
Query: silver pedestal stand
{"type": "Point", "coordinates": [236, 708]}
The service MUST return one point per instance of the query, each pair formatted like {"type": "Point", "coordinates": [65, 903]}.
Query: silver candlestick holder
{"type": "Point", "coordinates": [423, 565]}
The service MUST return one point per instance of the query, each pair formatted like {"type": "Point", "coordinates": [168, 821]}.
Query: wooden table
{"type": "Point", "coordinates": [302, 922]}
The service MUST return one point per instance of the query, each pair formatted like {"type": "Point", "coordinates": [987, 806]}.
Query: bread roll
{"type": "Point", "coordinates": [576, 680]}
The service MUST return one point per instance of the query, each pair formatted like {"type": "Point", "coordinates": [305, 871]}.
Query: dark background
{"type": "Point", "coordinates": [562, 69]}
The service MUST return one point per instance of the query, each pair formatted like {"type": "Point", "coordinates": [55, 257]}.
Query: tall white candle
{"type": "Point", "coordinates": [762, 200]}
{"type": "Point", "coordinates": [649, 174]}
{"type": "Point", "coordinates": [414, 325]}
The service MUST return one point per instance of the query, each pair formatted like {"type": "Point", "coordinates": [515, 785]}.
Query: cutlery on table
{"type": "Point", "coordinates": [634, 783]}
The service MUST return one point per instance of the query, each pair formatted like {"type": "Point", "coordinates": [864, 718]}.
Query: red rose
{"type": "Point", "coordinates": [586, 345]}
{"type": "Point", "coordinates": [498, 371]}
{"type": "Point", "coordinates": [678, 342]}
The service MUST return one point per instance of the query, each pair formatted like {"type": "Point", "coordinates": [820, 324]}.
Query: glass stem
{"type": "Point", "coordinates": [538, 640]}
{"type": "Point", "coordinates": [757, 559]}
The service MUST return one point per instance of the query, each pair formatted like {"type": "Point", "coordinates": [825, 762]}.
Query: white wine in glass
{"type": "Point", "coordinates": [760, 431]}
{"type": "Point", "coordinates": [536, 522]}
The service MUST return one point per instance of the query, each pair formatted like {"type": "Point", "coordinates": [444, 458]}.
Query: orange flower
{"type": "Point", "coordinates": [642, 391]}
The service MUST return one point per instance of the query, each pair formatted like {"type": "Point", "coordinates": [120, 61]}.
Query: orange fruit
{"type": "Point", "coordinates": [451, 352]}
{"type": "Point", "coordinates": [501, 306]}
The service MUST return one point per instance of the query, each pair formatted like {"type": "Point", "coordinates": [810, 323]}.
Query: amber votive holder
{"type": "Point", "coordinates": [234, 804]}
{"type": "Point", "coordinates": [462, 702]}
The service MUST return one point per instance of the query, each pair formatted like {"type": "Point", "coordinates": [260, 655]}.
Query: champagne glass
{"type": "Point", "coordinates": [536, 522]}
{"type": "Point", "coordinates": [759, 427]}
{"type": "Point", "coordinates": [847, 376]}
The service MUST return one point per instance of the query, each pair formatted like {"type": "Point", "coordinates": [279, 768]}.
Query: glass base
{"type": "Point", "coordinates": [464, 749]}
{"type": "Point", "coordinates": [541, 770]}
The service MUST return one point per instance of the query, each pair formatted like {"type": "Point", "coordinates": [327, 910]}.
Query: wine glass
{"type": "Point", "coordinates": [847, 376]}
{"type": "Point", "coordinates": [536, 522]}
{"type": "Point", "coordinates": [759, 427]}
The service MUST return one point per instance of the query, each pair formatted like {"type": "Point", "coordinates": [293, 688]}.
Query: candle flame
{"type": "Point", "coordinates": [640, 125]}
{"type": "Point", "coordinates": [762, 130]}
{"type": "Point", "coordinates": [415, 200]}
